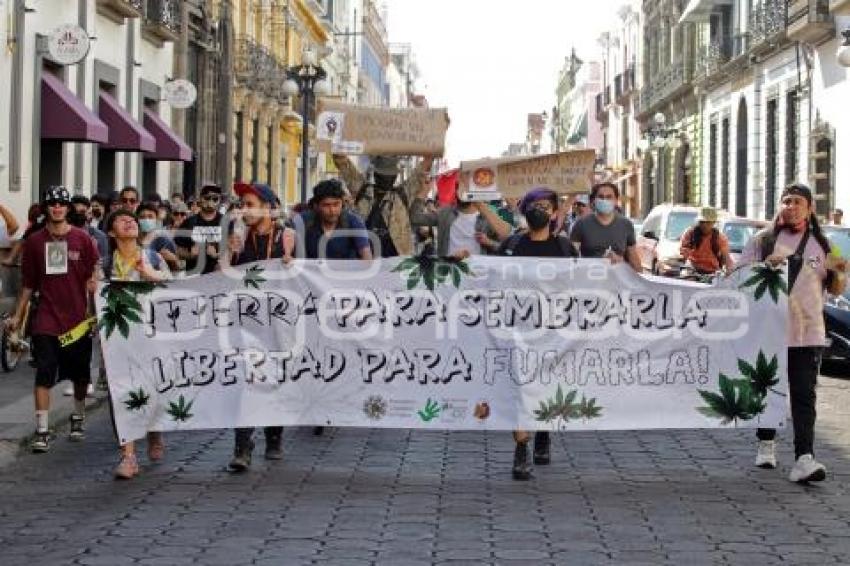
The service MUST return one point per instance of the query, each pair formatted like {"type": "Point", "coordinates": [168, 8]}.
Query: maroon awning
{"type": "Point", "coordinates": [125, 134]}
{"type": "Point", "coordinates": [65, 117]}
{"type": "Point", "coordinates": [169, 146]}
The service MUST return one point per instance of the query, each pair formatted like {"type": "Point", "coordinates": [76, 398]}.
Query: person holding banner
{"type": "Point", "coordinates": [606, 233]}
{"type": "Point", "coordinates": [795, 237]}
{"type": "Point", "coordinates": [385, 206]}
{"type": "Point", "coordinates": [468, 228]}
{"type": "Point", "coordinates": [130, 261]}
{"type": "Point", "coordinates": [264, 239]}
{"type": "Point", "coordinates": [538, 207]}
{"type": "Point", "coordinates": [58, 263]}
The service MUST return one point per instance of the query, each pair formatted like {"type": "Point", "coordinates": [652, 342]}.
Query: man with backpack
{"type": "Point", "coordinates": [385, 206]}
{"type": "Point", "coordinates": [327, 230]}
{"type": "Point", "coordinates": [704, 246]}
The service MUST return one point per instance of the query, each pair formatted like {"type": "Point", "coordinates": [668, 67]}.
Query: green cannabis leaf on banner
{"type": "Point", "coordinates": [180, 411]}
{"type": "Point", "coordinates": [736, 401]}
{"type": "Point", "coordinates": [137, 400]}
{"type": "Point", "coordinates": [430, 412]}
{"type": "Point", "coordinates": [432, 271]}
{"type": "Point", "coordinates": [254, 277]}
{"type": "Point", "coordinates": [562, 408]}
{"type": "Point", "coordinates": [743, 399]}
{"type": "Point", "coordinates": [122, 305]}
{"type": "Point", "coordinates": [769, 279]}
{"type": "Point", "coordinates": [763, 376]}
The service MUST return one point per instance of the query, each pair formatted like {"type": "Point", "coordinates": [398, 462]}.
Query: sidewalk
{"type": "Point", "coordinates": [17, 420]}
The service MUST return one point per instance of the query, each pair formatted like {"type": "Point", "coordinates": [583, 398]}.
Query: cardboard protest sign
{"type": "Point", "coordinates": [565, 173]}
{"type": "Point", "coordinates": [366, 130]}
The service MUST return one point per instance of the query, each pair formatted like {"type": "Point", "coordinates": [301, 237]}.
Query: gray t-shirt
{"type": "Point", "coordinates": [594, 238]}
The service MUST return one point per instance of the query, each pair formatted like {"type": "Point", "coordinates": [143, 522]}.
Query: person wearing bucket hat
{"type": "Point", "coordinates": [795, 237]}
{"type": "Point", "coordinates": [383, 204]}
{"type": "Point", "coordinates": [58, 263]}
{"type": "Point", "coordinates": [704, 246]}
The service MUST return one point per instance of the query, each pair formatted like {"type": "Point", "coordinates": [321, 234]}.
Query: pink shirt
{"type": "Point", "coordinates": [805, 304]}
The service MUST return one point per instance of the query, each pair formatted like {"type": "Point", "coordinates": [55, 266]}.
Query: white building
{"type": "Point", "coordinates": [615, 105]}
{"type": "Point", "coordinates": [97, 125]}
{"type": "Point", "coordinates": [831, 92]}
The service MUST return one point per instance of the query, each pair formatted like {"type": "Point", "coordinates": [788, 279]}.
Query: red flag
{"type": "Point", "coordinates": [446, 184]}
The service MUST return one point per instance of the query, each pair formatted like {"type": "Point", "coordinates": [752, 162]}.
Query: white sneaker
{"type": "Point", "coordinates": [766, 455]}
{"type": "Point", "coordinates": [807, 469]}
{"type": "Point", "coordinates": [90, 390]}
{"type": "Point", "coordinates": [69, 390]}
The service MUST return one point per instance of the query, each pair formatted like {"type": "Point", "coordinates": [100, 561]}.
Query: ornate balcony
{"type": "Point", "coordinates": [767, 21]}
{"type": "Point", "coordinates": [665, 84]}
{"type": "Point", "coordinates": [258, 70]}
{"type": "Point", "coordinates": [162, 19]}
{"type": "Point", "coordinates": [712, 58]}
{"type": "Point", "coordinates": [624, 84]}
{"type": "Point", "coordinates": [809, 20]}
{"type": "Point", "coordinates": [122, 8]}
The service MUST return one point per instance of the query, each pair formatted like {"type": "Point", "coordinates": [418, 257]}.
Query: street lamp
{"type": "Point", "coordinates": [659, 136]}
{"type": "Point", "coordinates": [308, 80]}
{"type": "Point", "coordinates": [843, 54]}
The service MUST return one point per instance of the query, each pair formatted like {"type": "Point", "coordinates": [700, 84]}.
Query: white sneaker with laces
{"type": "Point", "coordinates": [766, 455]}
{"type": "Point", "coordinates": [807, 469]}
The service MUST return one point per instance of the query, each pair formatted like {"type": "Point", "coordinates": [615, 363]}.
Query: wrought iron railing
{"type": "Point", "coordinates": [258, 69]}
{"type": "Point", "coordinates": [712, 57]}
{"type": "Point", "coordinates": [767, 20]}
{"type": "Point", "coordinates": [165, 13]}
{"type": "Point", "coordinates": [664, 83]}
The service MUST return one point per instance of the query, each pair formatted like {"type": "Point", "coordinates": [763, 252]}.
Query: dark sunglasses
{"type": "Point", "coordinates": [178, 214]}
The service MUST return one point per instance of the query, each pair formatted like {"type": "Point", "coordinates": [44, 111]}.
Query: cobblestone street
{"type": "Point", "coordinates": [399, 497]}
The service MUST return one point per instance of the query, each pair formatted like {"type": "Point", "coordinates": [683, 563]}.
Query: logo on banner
{"type": "Point", "coordinates": [180, 93]}
{"type": "Point", "coordinates": [68, 44]}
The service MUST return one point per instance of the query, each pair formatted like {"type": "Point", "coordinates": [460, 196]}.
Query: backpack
{"type": "Point", "coordinates": [563, 243]}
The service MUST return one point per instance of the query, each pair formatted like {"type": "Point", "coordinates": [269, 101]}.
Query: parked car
{"type": "Point", "coordinates": [836, 310]}
{"type": "Point", "coordinates": [739, 231]}
{"type": "Point", "coordinates": [658, 239]}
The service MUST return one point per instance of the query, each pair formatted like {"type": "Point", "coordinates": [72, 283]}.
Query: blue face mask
{"type": "Point", "coordinates": [603, 206]}
{"type": "Point", "coordinates": [148, 225]}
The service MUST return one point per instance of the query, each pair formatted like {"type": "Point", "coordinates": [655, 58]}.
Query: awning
{"type": "Point", "coordinates": [700, 10]}
{"type": "Point", "coordinates": [578, 128]}
{"type": "Point", "coordinates": [65, 117]}
{"type": "Point", "coordinates": [169, 146]}
{"type": "Point", "coordinates": [125, 134]}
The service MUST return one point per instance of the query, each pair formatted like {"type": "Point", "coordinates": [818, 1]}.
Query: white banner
{"type": "Point", "coordinates": [483, 344]}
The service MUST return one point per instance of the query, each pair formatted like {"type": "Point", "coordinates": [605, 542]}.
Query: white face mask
{"type": "Point", "coordinates": [603, 206]}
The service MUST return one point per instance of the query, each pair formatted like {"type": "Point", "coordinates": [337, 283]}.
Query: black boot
{"type": "Point", "coordinates": [541, 448]}
{"type": "Point", "coordinates": [274, 441]}
{"type": "Point", "coordinates": [521, 470]}
{"type": "Point", "coordinates": [242, 451]}
{"type": "Point", "coordinates": [318, 430]}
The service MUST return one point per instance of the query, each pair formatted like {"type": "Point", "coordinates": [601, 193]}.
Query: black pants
{"type": "Point", "coordinates": [243, 435]}
{"type": "Point", "coordinates": [803, 369]}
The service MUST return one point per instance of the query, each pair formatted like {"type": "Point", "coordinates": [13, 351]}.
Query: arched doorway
{"type": "Point", "coordinates": [741, 165]}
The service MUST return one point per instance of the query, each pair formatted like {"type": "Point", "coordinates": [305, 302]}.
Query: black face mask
{"type": "Point", "coordinates": [76, 219]}
{"type": "Point", "coordinates": [537, 218]}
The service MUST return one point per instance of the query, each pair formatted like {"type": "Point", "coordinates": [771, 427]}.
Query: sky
{"type": "Point", "coordinates": [492, 62]}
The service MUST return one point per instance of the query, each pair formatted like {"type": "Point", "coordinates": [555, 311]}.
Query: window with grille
{"type": "Point", "coordinates": [724, 164]}
{"type": "Point", "coordinates": [791, 142]}
{"type": "Point", "coordinates": [712, 164]}
{"type": "Point", "coordinates": [770, 160]}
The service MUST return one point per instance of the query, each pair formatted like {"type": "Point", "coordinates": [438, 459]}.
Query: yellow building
{"type": "Point", "coordinates": [269, 36]}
